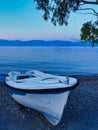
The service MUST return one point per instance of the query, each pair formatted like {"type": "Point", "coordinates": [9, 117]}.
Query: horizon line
{"type": "Point", "coordinates": [41, 40]}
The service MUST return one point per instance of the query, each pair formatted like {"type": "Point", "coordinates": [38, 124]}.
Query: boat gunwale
{"type": "Point", "coordinates": [50, 90]}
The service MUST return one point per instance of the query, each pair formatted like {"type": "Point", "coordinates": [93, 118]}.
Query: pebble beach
{"type": "Point", "coordinates": [80, 113]}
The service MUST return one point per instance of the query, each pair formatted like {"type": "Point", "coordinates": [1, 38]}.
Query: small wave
{"type": "Point", "coordinates": [2, 77]}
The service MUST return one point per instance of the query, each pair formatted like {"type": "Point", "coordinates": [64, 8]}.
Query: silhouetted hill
{"type": "Point", "coordinates": [42, 43]}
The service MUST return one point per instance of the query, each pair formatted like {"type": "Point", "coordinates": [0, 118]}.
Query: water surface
{"type": "Point", "coordinates": [57, 60]}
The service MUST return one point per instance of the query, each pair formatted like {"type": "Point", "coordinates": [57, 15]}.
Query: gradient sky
{"type": "Point", "coordinates": [20, 20]}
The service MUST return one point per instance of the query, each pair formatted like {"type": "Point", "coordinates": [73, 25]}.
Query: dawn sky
{"type": "Point", "coordinates": [20, 20]}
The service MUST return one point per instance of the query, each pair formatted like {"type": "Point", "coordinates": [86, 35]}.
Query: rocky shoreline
{"type": "Point", "coordinates": [81, 112]}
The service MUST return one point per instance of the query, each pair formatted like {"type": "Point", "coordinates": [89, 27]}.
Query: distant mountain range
{"type": "Point", "coordinates": [42, 43]}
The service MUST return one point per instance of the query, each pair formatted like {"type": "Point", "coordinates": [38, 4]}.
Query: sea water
{"type": "Point", "coordinates": [56, 60]}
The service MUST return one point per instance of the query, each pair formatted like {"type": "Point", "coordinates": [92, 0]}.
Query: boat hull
{"type": "Point", "coordinates": [46, 93]}
{"type": "Point", "coordinates": [50, 104]}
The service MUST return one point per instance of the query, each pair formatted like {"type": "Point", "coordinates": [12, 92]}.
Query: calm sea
{"type": "Point", "coordinates": [56, 60]}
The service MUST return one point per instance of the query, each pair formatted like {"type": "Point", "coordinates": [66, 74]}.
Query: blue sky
{"type": "Point", "coordinates": [20, 20]}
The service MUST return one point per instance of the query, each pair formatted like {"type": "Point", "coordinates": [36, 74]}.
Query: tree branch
{"type": "Point", "coordinates": [95, 13]}
{"type": "Point", "coordinates": [89, 2]}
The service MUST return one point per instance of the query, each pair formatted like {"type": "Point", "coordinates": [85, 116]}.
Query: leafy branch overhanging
{"type": "Point", "coordinates": [58, 11]}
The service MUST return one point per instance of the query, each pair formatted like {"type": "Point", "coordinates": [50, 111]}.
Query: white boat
{"type": "Point", "coordinates": [43, 92]}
